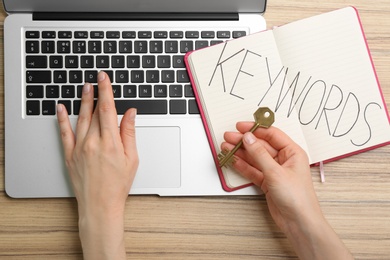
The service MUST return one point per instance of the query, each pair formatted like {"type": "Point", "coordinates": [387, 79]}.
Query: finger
{"type": "Point", "coordinates": [127, 132]}
{"type": "Point", "coordinates": [248, 171]}
{"type": "Point", "coordinates": [86, 110]}
{"type": "Point", "coordinates": [67, 135]}
{"type": "Point", "coordinates": [274, 136]}
{"type": "Point", "coordinates": [106, 105]}
{"type": "Point", "coordinates": [235, 137]}
{"type": "Point", "coordinates": [262, 159]}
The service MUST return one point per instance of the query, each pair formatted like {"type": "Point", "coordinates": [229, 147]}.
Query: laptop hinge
{"type": "Point", "coordinates": [46, 16]}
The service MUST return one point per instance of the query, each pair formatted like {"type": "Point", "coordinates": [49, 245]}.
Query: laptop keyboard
{"type": "Point", "coordinates": [146, 68]}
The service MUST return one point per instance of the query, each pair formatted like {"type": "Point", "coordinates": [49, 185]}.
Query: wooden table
{"type": "Point", "coordinates": [355, 197]}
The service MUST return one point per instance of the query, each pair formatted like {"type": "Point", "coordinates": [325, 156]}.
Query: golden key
{"type": "Point", "coordinates": [264, 117]}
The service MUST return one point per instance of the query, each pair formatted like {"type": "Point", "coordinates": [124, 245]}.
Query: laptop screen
{"type": "Point", "coordinates": [196, 6]}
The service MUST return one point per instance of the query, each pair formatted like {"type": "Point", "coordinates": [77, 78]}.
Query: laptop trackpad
{"type": "Point", "coordinates": [159, 157]}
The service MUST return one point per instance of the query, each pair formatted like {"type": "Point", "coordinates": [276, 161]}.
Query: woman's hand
{"type": "Point", "coordinates": [279, 166]}
{"type": "Point", "coordinates": [102, 161]}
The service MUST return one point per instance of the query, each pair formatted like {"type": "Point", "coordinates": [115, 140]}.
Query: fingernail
{"type": "Point", "coordinates": [59, 108]}
{"type": "Point", "coordinates": [133, 113]}
{"type": "Point", "coordinates": [249, 138]}
{"type": "Point", "coordinates": [86, 88]}
{"type": "Point", "coordinates": [101, 76]}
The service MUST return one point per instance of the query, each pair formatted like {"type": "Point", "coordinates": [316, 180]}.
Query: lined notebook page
{"type": "Point", "coordinates": [338, 99]}
{"type": "Point", "coordinates": [235, 78]}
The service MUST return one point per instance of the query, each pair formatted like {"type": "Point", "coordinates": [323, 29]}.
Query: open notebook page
{"type": "Point", "coordinates": [338, 99]}
{"type": "Point", "coordinates": [234, 80]}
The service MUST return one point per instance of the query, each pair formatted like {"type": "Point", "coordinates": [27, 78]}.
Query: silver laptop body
{"type": "Point", "coordinates": [175, 158]}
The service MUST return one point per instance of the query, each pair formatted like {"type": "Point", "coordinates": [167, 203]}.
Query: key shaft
{"type": "Point", "coordinates": [264, 117]}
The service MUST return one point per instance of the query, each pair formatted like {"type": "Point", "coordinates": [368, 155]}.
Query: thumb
{"type": "Point", "coordinates": [127, 132]}
{"type": "Point", "coordinates": [262, 159]}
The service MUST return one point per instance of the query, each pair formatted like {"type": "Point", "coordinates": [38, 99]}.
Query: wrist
{"type": "Point", "coordinates": [314, 238]}
{"type": "Point", "coordinates": [102, 234]}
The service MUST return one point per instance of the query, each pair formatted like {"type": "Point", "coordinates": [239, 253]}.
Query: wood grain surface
{"type": "Point", "coordinates": [355, 197]}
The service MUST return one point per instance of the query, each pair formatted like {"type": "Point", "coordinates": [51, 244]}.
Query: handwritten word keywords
{"type": "Point", "coordinates": [318, 103]}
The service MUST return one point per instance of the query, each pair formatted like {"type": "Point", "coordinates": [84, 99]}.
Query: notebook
{"type": "Point", "coordinates": [52, 47]}
{"type": "Point", "coordinates": [315, 74]}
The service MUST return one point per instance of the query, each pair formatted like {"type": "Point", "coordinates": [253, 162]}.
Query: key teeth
{"type": "Point", "coordinates": [222, 155]}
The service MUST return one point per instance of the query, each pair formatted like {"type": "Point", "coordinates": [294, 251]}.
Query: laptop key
{"type": "Point", "coordinates": [182, 76]}
{"type": "Point", "coordinates": [48, 34]}
{"type": "Point", "coordinates": [34, 92]}
{"type": "Point", "coordinates": [97, 34]}
{"type": "Point", "coordinates": [160, 34]}
{"type": "Point", "coordinates": [81, 34]}
{"type": "Point", "coordinates": [192, 107]}
{"type": "Point", "coordinates": [122, 76]}
{"type": "Point", "coordinates": [178, 61]}
{"type": "Point", "coordinates": [38, 76]}
{"type": "Point", "coordinates": [207, 34]}
{"type": "Point", "coordinates": [177, 107]}
{"type": "Point", "coordinates": [156, 46]}
{"type": "Point", "coordinates": [223, 34]}
{"type": "Point", "coordinates": [113, 35]}
{"type": "Point", "coordinates": [102, 61]}
{"type": "Point", "coordinates": [68, 91]}
{"type": "Point", "coordinates": [94, 46]}
{"type": "Point", "coordinates": [32, 46]}
{"type": "Point", "coordinates": [148, 61]}
{"type": "Point", "coordinates": [201, 44]}
{"type": "Point", "coordinates": [63, 46]}
{"type": "Point", "coordinates": [90, 76]}
{"type": "Point", "coordinates": [192, 34]}
{"type": "Point", "coordinates": [176, 34]}
{"type": "Point", "coordinates": [79, 47]}
{"type": "Point", "coordinates": [130, 91]}
{"type": "Point", "coordinates": [175, 91]}
{"type": "Point", "coordinates": [64, 34]}
{"type": "Point", "coordinates": [186, 46]}
{"type": "Point", "coordinates": [164, 61]}
{"type": "Point", "coordinates": [213, 42]}
{"type": "Point", "coordinates": [48, 46]}
{"type": "Point", "coordinates": [116, 90]}
{"type": "Point", "coordinates": [140, 46]}
{"type": "Point", "coordinates": [171, 47]}
{"type": "Point", "coordinates": [110, 47]}
{"type": "Point", "coordinates": [152, 76]}
{"type": "Point", "coordinates": [133, 61]}
{"type": "Point", "coordinates": [33, 108]}
{"type": "Point", "coordinates": [48, 107]}
{"type": "Point", "coordinates": [168, 76]}
{"type": "Point", "coordinates": [60, 76]}
{"type": "Point", "coordinates": [137, 76]}
{"type": "Point", "coordinates": [32, 34]}
{"type": "Point", "coordinates": [188, 91]}
{"type": "Point", "coordinates": [71, 61]}
{"type": "Point", "coordinates": [144, 34]}
{"type": "Point", "coordinates": [36, 62]}
{"type": "Point", "coordinates": [144, 107]}
{"type": "Point", "coordinates": [67, 104]}
{"type": "Point", "coordinates": [117, 61]}
{"type": "Point", "coordinates": [56, 62]}
{"type": "Point", "coordinates": [238, 34]}
{"type": "Point", "coordinates": [87, 61]}
{"type": "Point", "coordinates": [52, 91]}
{"type": "Point", "coordinates": [160, 91]}
{"type": "Point", "coordinates": [125, 47]}
{"type": "Point", "coordinates": [129, 35]}
{"type": "Point", "coordinates": [145, 91]}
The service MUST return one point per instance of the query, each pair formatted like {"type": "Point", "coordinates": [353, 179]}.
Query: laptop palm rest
{"type": "Point", "coordinates": [159, 157]}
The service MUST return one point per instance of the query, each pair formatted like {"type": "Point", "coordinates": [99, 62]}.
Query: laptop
{"type": "Point", "coordinates": [51, 47]}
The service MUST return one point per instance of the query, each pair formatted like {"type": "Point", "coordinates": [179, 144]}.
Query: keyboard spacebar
{"type": "Point", "coordinates": [144, 107]}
